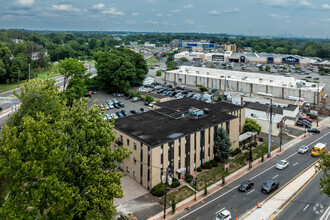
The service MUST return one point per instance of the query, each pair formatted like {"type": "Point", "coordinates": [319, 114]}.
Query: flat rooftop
{"type": "Point", "coordinates": [250, 77]}
{"type": "Point", "coordinates": [172, 120]}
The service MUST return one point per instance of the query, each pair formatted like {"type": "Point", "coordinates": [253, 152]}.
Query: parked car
{"type": "Point", "coordinates": [119, 114]}
{"type": "Point", "coordinates": [116, 105]}
{"type": "Point", "coordinates": [125, 113]}
{"type": "Point", "coordinates": [304, 118]}
{"type": "Point", "coordinates": [303, 149]}
{"type": "Point", "coordinates": [128, 97]}
{"type": "Point", "coordinates": [135, 99]}
{"type": "Point", "coordinates": [146, 103]}
{"type": "Point", "coordinates": [113, 115]}
{"type": "Point", "coordinates": [314, 130]}
{"type": "Point", "coordinates": [246, 185]}
{"type": "Point", "coordinates": [224, 215]}
{"type": "Point", "coordinates": [282, 164]}
{"type": "Point", "coordinates": [143, 110]}
{"type": "Point", "coordinates": [269, 186]}
{"type": "Point", "coordinates": [134, 112]}
{"type": "Point", "coordinates": [121, 104]}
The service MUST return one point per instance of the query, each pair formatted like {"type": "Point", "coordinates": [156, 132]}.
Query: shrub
{"type": "Point", "coordinates": [261, 139]}
{"type": "Point", "coordinates": [148, 98]}
{"type": "Point", "coordinates": [207, 165]}
{"type": "Point", "coordinates": [158, 73]}
{"type": "Point", "coordinates": [214, 163]}
{"type": "Point", "coordinates": [199, 169]}
{"type": "Point", "coordinates": [203, 89]}
{"type": "Point", "coordinates": [188, 178]}
{"type": "Point", "coordinates": [158, 190]}
{"type": "Point", "coordinates": [175, 183]}
{"type": "Point", "coordinates": [254, 144]}
{"type": "Point", "coordinates": [236, 151]}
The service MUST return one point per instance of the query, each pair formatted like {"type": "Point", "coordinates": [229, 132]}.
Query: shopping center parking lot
{"type": "Point", "coordinates": [102, 97]}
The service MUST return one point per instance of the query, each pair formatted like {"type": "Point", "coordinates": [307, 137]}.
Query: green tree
{"type": "Point", "coordinates": [251, 125]}
{"type": "Point", "coordinates": [324, 164]}
{"type": "Point", "coordinates": [267, 68]}
{"type": "Point", "coordinates": [71, 68]}
{"type": "Point", "coordinates": [61, 169]}
{"type": "Point", "coordinates": [184, 59]}
{"type": "Point", "coordinates": [5, 55]}
{"type": "Point", "coordinates": [222, 145]}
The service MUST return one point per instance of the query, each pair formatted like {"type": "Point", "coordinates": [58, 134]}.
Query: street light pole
{"type": "Point", "coordinates": [281, 135]}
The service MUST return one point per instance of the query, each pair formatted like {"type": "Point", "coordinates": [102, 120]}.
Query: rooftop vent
{"type": "Point", "coordinates": [195, 111]}
{"type": "Point", "coordinates": [175, 135]}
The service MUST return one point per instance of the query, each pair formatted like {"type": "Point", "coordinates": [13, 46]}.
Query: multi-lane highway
{"type": "Point", "coordinates": [239, 203]}
{"type": "Point", "coordinates": [307, 203]}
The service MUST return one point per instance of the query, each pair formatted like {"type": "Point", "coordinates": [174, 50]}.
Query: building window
{"type": "Point", "coordinates": [121, 138]}
{"type": "Point", "coordinates": [134, 146]}
{"type": "Point", "coordinates": [127, 169]}
{"type": "Point", "coordinates": [180, 80]}
{"type": "Point", "coordinates": [134, 174]}
{"type": "Point", "coordinates": [127, 142]}
{"type": "Point", "coordinates": [134, 160]}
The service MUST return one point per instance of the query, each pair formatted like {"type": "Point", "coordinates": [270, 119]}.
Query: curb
{"type": "Point", "coordinates": [184, 204]}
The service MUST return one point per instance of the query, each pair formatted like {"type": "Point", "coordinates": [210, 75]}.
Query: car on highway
{"type": "Point", "coordinates": [303, 149]}
{"type": "Point", "coordinates": [282, 164]}
{"type": "Point", "coordinates": [246, 185]}
{"type": "Point", "coordinates": [314, 130]}
{"type": "Point", "coordinates": [223, 215]}
{"type": "Point", "coordinates": [269, 186]}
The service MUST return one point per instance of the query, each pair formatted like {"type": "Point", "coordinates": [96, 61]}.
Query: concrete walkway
{"type": "Point", "coordinates": [187, 203]}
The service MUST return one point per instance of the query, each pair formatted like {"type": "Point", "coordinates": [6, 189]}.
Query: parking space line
{"type": "Point", "coordinates": [250, 192]}
{"type": "Point", "coordinates": [295, 164]}
{"type": "Point", "coordinates": [275, 176]}
{"type": "Point", "coordinates": [306, 207]}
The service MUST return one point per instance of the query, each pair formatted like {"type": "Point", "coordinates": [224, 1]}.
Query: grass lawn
{"type": "Point", "coordinates": [180, 195]}
{"type": "Point", "coordinates": [11, 86]}
{"type": "Point", "coordinates": [151, 60]}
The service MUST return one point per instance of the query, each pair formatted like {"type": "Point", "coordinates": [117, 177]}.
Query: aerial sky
{"type": "Point", "coordinates": [309, 18]}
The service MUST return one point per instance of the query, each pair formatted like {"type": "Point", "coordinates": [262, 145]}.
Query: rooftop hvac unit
{"type": "Point", "coordinates": [229, 76]}
{"type": "Point", "coordinates": [195, 111]}
{"type": "Point", "coordinates": [197, 71]}
{"type": "Point", "coordinates": [260, 79]}
{"type": "Point", "coordinates": [314, 85]}
{"type": "Point", "coordinates": [243, 78]}
{"type": "Point", "coordinates": [271, 80]}
{"type": "Point", "coordinates": [221, 76]}
{"type": "Point", "coordinates": [284, 84]}
{"type": "Point", "coordinates": [207, 73]}
{"type": "Point", "coordinates": [180, 71]}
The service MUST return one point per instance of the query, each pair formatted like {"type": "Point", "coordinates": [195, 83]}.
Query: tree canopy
{"type": "Point", "coordinates": [222, 145]}
{"type": "Point", "coordinates": [324, 164]}
{"type": "Point", "coordinates": [59, 164]}
{"type": "Point", "coordinates": [251, 125]}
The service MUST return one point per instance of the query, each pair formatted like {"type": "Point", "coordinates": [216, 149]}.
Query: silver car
{"type": "Point", "coordinates": [303, 149]}
{"type": "Point", "coordinates": [282, 164]}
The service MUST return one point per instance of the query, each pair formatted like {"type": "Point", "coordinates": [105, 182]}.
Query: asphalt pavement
{"type": "Point", "coordinates": [309, 203]}
{"type": "Point", "coordinates": [239, 203]}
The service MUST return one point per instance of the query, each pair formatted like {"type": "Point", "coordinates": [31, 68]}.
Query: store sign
{"type": "Point", "coordinates": [290, 59]}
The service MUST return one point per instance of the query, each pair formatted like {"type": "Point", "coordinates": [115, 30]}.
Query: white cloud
{"type": "Point", "coordinates": [131, 22]}
{"type": "Point", "coordinates": [169, 15]}
{"type": "Point", "coordinates": [188, 6]}
{"type": "Point", "coordinates": [277, 3]}
{"type": "Point", "coordinates": [159, 15]}
{"type": "Point", "coordinates": [214, 12]}
{"type": "Point", "coordinates": [99, 6]}
{"type": "Point", "coordinates": [326, 19]}
{"type": "Point", "coordinates": [325, 6]}
{"type": "Point", "coordinates": [279, 16]}
{"type": "Point", "coordinates": [135, 14]}
{"type": "Point", "coordinates": [25, 2]}
{"type": "Point", "coordinates": [175, 11]}
{"type": "Point", "coordinates": [305, 3]}
{"type": "Point", "coordinates": [228, 11]}
{"type": "Point", "coordinates": [152, 22]}
{"type": "Point", "coordinates": [113, 11]}
{"type": "Point", "coordinates": [188, 21]}
{"type": "Point", "coordinates": [64, 7]}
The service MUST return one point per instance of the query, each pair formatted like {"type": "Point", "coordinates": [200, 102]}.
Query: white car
{"type": "Point", "coordinates": [282, 164]}
{"type": "Point", "coordinates": [224, 215]}
{"type": "Point", "coordinates": [303, 149]}
{"type": "Point", "coordinates": [113, 116]}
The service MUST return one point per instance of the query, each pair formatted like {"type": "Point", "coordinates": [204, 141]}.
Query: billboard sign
{"type": "Point", "coordinates": [270, 59]}
{"type": "Point", "coordinates": [220, 58]}
{"type": "Point", "coordinates": [242, 58]}
{"type": "Point", "coordinates": [191, 45]}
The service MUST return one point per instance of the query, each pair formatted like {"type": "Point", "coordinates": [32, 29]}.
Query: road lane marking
{"type": "Point", "coordinates": [220, 210]}
{"type": "Point", "coordinates": [318, 139]}
{"type": "Point", "coordinates": [306, 207]}
{"type": "Point", "coordinates": [323, 217]}
{"type": "Point", "coordinates": [295, 177]}
{"type": "Point", "coordinates": [295, 164]}
{"type": "Point", "coordinates": [250, 192]}
{"type": "Point", "coordinates": [296, 194]}
{"type": "Point", "coordinates": [275, 176]}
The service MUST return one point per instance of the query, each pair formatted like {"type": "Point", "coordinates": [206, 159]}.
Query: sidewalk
{"type": "Point", "coordinates": [187, 203]}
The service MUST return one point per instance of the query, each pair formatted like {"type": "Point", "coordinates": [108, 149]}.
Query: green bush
{"type": "Point", "coordinates": [254, 144]}
{"type": "Point", "coordinates": [148, 98]}
{"type": "Point", "coordinates": [158, 73]}
{"type": "Point", "coordinates": [175, 183]}
{"type": "Point", "coordinates": [214, 163]}
{"type": "Point", "coordinates": [236, 151]}
{"type": "Point", "coordinates": [199, 169]}
{"type": "Point", "coordinates": [188, 178]}
{"type": "Point", "coordinates": [203, 89]}
{"type": "Point", "coordinates": [207, 165]}
{"type": "Point", "coordinates": [158, 190]}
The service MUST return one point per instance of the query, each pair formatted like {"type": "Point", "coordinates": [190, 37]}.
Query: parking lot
{"type": "Point", "coordinates": [102, 97]}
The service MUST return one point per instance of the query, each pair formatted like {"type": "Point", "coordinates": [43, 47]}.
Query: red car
{"type": "Point", "coordinates": [304, 118]}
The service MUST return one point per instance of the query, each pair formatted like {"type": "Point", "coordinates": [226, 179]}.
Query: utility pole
{"type": "Point", "coordinates": [29, 71]}
{"type": "Point", "coordinates": [270, 127]}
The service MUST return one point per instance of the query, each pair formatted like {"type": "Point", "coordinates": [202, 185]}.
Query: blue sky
{"type": "Point", "coordinates": [309, 18]}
